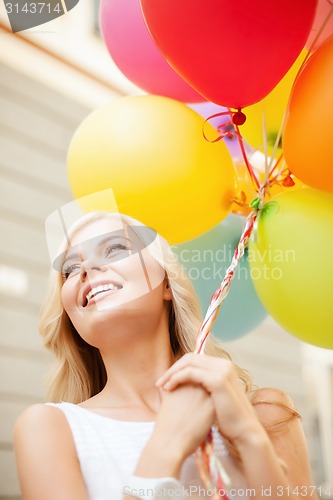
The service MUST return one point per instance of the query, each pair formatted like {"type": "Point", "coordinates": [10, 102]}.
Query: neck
{"type": "Point", "coordinates": [133, 370]}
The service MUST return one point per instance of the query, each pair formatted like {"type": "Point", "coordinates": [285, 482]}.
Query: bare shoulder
{"type": "Point", "coordinates": [278, 415]}
{"type": "Point", "coordinates": [38, 413]}
{"type": "Point", "coordinates": [46, 455]}
{"type": "Point", "coordinates": [273, 406]}
{"type": "Point", "coordinates": [271, 394]}
{"type": "Point", "coordinates": [41, 418]}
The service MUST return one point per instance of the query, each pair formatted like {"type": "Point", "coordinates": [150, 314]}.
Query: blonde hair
{"type": "Point", "coordinates": [78, 372]}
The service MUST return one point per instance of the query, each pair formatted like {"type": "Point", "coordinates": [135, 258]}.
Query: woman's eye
{"type": "Point", "coordinates": [114, 248]}
{"type": "Point", "coordinates": [70, 270]}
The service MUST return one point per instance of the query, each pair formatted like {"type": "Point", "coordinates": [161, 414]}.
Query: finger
{"type": "Point", "coordinates": [189, 375]}
{"type": "Point", "coordinates": [198, 360]}
{"type": "Point", "coordinates": [178, 365]}
{"type": "Point", "coordinates": [219, 369]}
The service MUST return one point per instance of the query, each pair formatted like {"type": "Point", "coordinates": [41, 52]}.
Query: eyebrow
{"type": "Point", "coordinates": [100, 243]}
{"type": "Point", "coordinates": [108, 238]}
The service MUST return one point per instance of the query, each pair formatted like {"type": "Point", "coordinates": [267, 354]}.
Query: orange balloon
{"type": "Point", "coordinates": [307, 139]}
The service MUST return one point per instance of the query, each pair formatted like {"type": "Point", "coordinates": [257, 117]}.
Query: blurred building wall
{"type": "Point", "coordinates": [36, 126]}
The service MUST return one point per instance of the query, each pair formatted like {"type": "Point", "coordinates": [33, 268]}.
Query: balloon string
{"type": "Point", "coordinates": [226, 133]}
{"type": "Point", "coordinates": [211, 466]}
{"type": "Point", "coordinates": [208, 464]}
{"type": "Point", "coordinates": [272, 180]}
{"type": "Point", "coordinates": [222, 291]}
{"type": "Point", "coordinates": [211, 470]}
{"type": "Point", "coordinates": [246, 161]}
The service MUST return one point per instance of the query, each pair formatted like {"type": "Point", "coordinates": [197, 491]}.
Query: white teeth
{"type": "Point", "coordinates": [101, 288]}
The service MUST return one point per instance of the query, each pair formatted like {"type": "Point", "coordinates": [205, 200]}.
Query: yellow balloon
{"type": "Point", "coordinates": [272, 107]}
{"type": "Point", "coordinates": [151, 151]}
{"type": "Point", "coordinates": [291, 263]}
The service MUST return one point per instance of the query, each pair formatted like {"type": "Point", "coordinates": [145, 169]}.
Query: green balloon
{"type": "Point", "coordinates": [291, 263]}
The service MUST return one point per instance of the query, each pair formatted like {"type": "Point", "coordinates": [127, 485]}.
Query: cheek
{"type": "Point", "coordinates": [68, 300]}
{"type": "Point", "coordinates": [143, 271]}
{"type": "Point", "coordinates": [156, 273]}
{"type": "Point", "coordinates": [68, 297]}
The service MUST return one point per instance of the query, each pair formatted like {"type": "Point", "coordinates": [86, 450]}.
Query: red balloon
{"type": "Point", "coordinates": [135, 53]}
{"type": "Point", "coordinates": [233, 52]}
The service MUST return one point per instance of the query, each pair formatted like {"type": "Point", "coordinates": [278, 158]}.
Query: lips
{"type": "Point", "coordinates": [93, 290]}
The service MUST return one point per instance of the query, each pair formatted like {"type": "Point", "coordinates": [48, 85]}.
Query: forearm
{"type": "Point", "coordinates": [258, 454]}
{"type": "Point", "coordinates": [159, 460]}
{"type": "Point", "coordinates": [181, 426]}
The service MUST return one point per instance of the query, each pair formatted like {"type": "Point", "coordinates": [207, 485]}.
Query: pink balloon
{"type": "Point", "coordinates": [323, 9]}
{"type": "Point", "coordinates": [136, 55]}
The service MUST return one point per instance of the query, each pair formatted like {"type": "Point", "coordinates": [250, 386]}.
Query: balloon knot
{"type": "Point", "coordinates": [288, 181]}
{"type": "Point", "coordinates": [255, 203]}
{"type": "Point", "coordinates": [225, 132]}
{"type": "Point", "coordinates": [240, 200]}
{"type": "Point", "coordinates": [239, 118]}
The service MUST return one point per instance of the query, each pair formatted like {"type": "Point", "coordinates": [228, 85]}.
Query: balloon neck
{"type": "Point", "coordinates": [288, 181]}
{"type": "Point", "coordinates": [238, 117]}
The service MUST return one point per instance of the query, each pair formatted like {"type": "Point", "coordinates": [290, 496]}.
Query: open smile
{"type": "Point", "coordinates": [100, 291]}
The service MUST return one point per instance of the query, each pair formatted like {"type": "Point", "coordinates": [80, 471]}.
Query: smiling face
{"type": "Point", "coordinates": [109, 278]}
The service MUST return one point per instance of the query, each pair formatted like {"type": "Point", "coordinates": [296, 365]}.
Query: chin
{"type": "Point", "coordinates": [116, 325]}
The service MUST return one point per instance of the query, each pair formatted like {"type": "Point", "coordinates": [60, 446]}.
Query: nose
{"type": "Point", "coordinates": [87, 266]}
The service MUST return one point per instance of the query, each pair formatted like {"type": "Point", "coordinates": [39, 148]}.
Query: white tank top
{"type": "Point", "coordinates": [108, 451]}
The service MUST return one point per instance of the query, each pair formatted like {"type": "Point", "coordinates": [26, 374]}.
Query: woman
{"type": "Point", "coordinates": [130, 398]}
